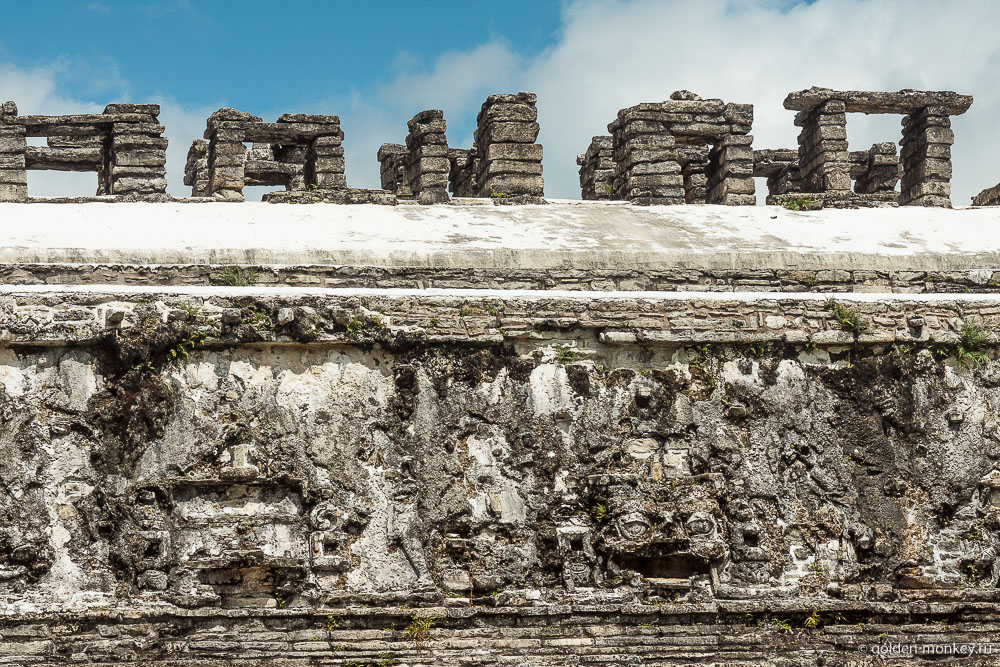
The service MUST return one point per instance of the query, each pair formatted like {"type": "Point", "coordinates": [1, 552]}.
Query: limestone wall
{"type": "Point", "coordinates": [477, 477]}
{"type": "Point", "coordinates": [559, 434]}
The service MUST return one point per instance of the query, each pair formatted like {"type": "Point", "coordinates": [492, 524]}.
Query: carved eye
{"type": "Point", "coordinates": [633, 526]}
{"type": "Point", "coordinates": [700, 524]}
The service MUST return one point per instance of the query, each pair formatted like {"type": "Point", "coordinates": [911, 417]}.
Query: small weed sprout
{"type": "Point", "coordinates": [799, 204]}
{"type": "Point", "coordinates": [600, 511]}
{"type": "Point", "coordinates": [812, 621]}
{"type": "Point", "coordinates": [971, 348]}
{"type": "Point", "coordinates": [565, 354]}
{"type": "Point", "coordinates": [234, 276]}
{"type": "Point", "coordinates": [849, 319]}
{"type": "Point", "coordinates": [419, 629]}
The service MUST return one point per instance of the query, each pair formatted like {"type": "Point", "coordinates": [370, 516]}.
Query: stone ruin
{"type": "Point", "coordinates": [123, 145]}
{"type": "Point", "coordinates": [297, 151]}
{"type": "Point", "coordinates": [597, 169]}
{"type": "Point", "coordinates": [661, 156]}
{"type": "Point", "coordinates": [427, 163]}
{"type": "Point", "coordinates": [504, 164]}
{"type": "Point", "coordinates": [686, 150]}
{"type": "Point", "coordinates": [659, 150]}
{"type": "Point", "coordinates": [988, 197]}
{"type": "Point", "coordinates": [925, 158]}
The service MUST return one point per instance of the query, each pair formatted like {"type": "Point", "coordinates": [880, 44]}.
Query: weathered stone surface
{"type": "Point", "coordinates": [901, 102]}
{"type": "Point", "coordinates": [988, 197]}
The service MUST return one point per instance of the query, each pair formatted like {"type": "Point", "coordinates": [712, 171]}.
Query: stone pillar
{"type": "Point", "coordinates": [881, 170]}
{"type": "Point", "coordinates": [196, 168]}
{"type": "Point", "coordinates": [462, 177]}
{"type": "Point", "coordinates": [597, 169]}
{"type": "Point", "coordinates": [823, 158]}
{"type": "Point", "coordinates": [730, 171]}
{"type": "Point", "coordinates": [645, 155]}
{"type": "Point", "coordinates": [510, 162]}
{"type": "Point", "coordinates": [694, 169]}
{"type": "Point", "coordinates": [427, 163]}
{"type": "Point", "coordinates": [13, 149]}
{"type": "Point", "coordinates": [392, 161]}
{"type": "Point", "coordinates": [137, 152]}
{"type": "Point", "coordinates": [785, 181]}
{"type": "Point", "coordinates": [227, 154]}
{"type": "Point", "coordinates": [926, 158]}
{"type": "Point", "coordinates": [325, 166]}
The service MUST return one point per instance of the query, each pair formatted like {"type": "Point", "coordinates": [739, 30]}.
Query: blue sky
{"type": "Point", "coordinates": [251, 54]}
{"type": "Point", "coordinates": [377, 64]}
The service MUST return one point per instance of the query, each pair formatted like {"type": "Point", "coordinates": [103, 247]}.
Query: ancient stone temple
{"type": "Point", "coordinates": [495, 433]}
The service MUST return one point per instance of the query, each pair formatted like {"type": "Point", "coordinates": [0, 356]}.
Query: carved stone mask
{"type": "Point", "coordinates": [633, 526]}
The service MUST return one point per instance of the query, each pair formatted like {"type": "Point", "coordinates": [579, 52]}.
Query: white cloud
{"type": "Point", "coordinates": [612, 54]}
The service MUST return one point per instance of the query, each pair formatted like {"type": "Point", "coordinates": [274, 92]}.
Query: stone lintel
{"type": "Point", "coordinates": [902, 102]}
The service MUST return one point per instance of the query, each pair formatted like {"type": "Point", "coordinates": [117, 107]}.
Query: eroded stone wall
{"type": "Point", "coordinates": [245, 475]}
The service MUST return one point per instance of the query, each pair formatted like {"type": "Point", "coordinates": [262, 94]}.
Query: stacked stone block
{"type": "Point", "coordinates": [647, 169]}
{"type": "Point", "coordinates": [597, 169]}
{"type": "Point", "coordinates": [122, 145]}
{"type": "Point", "coordinates": [926, 158]}
{"type": "Point", "coordinates": [196, 169]}
{"type": "Point", "coordinates": [325, 165]}
{"type": "Point", "coordinates": [730, 171]}
{"type": "Point", "coordinates": [652, 140]}
{"type": "Point", "coordinates": [13, 147]}
{"type": "Point", "coordinates": [823, 158]}
{"type": "Point", "coordinates": [878, 169]}
{"type": "Point", "coordinates": [781, 168]}
{"type": "Point", "coordinates": [462, 176]}
{"type": "Point", "coordinates": [926, 144]}
{"type": "Point", "coordinates": [296, 151]}
{"type": "Point", "coordinates": [137, 153]}
{"type": "Point", "coordinates": [226, 153]}
{"type": "Point", "coordinates": [509, 160]}
{"type": "Point", "coordinates": [427, 163]}
{"type": "Point", "coordinates": [392, 162]}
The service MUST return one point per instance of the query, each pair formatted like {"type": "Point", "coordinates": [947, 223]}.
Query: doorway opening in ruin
{"type": "Point", "coordinates": [51, 183]}
{"type": "Point", "coordinates": [257, 192]}
{"type": "Point", "coordinates": [865, 131]}
{"type": "Point", "coordinates": [675, 566]}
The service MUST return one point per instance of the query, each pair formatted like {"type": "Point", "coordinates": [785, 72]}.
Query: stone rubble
{"type": "Point", "coordinates": [988, 197]}
{"type": "Point", "coordinates": [463, 171]}
{"type": "Point", "coordinates": [392, 168]}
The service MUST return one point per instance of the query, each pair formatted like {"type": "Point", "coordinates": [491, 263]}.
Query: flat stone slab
{"type": "Point", "coordinates": [562, 234]}
{"type": "Point", "coordinates": [860, 101]}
